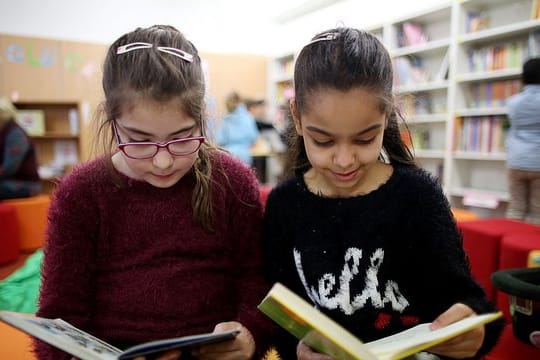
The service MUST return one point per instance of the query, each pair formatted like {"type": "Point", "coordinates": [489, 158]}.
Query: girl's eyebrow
{"type": "Point", "coordinates": [144, 133]}
{"type": "Point", "coordinates": [326, 133]}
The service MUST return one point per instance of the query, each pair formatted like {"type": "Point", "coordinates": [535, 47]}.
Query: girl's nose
{"type": "Point", "coordinates": [344, 156]}
{"type": "Point", "coordinates": [163, 159]}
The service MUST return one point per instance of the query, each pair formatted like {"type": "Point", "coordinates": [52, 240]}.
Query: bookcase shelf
{"type": "Point", "coordinates": [437, 47]}
{"type": "Point", "coordinates": [281, 88]}
{"type": "Point", "coordinates": [421, 87]}
{"type": "Point", "coordinates": [501, 74]}
{"type": "Point", "coordinates": [501, 32]}
{"type": "Point", "coordinates": [483, 111]}
{"type": "Point", "coordinates": [58, 148]}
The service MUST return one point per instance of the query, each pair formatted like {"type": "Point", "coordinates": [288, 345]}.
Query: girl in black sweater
{"type": "Point", "coordinates": [358, 229]}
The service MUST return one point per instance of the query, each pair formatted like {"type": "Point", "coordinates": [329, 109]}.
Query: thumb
{"type": "Point", "coordinates": [455, 313]}
{"type": "Point", "coordinates": [228, 325]}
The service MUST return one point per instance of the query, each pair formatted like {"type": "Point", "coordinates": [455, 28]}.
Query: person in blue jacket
{"type": "Point", "coordinates": [238, 130]}
{"type": "Point", "coordinates": [523, 147]}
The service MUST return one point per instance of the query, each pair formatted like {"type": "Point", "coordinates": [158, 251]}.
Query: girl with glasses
{"type": "Point", "coordinates": [160, 236]}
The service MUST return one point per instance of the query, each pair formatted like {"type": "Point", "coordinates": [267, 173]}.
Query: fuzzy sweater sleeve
{"type": "Point", "coordinates": [68, 258]}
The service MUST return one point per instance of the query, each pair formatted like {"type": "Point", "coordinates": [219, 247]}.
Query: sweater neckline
{"type": "Point", "coordinates": [380, 190]}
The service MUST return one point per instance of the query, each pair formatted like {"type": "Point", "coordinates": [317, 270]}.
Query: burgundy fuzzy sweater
{"type": "Point", "coordinates": [128, 264]}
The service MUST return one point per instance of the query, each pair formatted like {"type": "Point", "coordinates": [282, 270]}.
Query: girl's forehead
{"type": "Point", "coordinates": [333, 100]}
{"type": "Point", "coordinates": [156, 117]}
{"type": "Point", "coordinates": [340, 112]}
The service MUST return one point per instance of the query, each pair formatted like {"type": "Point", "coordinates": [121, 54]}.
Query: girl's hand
{"type": "Point", "coordinates": [242, 347]}
{"type": "Point", "coordinates": [304, 352]}
{"type": "Point", "coordinates": [462, 346]}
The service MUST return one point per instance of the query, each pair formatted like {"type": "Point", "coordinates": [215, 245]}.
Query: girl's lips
{"type": "Point", "coordinates": [346, 176]}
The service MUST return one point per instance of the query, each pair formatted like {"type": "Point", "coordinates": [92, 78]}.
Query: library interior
{"type": "Point", "coordinates": [456, 65]}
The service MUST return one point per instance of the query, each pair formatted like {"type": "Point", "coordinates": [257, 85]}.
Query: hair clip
{"type": "Point", "coordinates": [325, 37]}
{"type": "Point", "coordinates": [132, 46]}
{"type": "Point", "coordinates": [142, 45]}
{"type": "Point", "coordinates": [176, 52]}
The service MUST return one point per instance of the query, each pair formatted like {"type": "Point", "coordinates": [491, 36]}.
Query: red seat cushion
{"type": "Point", "coordinates": [9, 241]}
{"type": "Point", "coordinates": [481, 240]}
{"type": "Point", "coordinates": [511, 348]}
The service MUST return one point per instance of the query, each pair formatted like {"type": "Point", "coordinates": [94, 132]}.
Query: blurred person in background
{"type": "Point", "coordinates": [18, 163]}
{"type": "Point", "coordinates": [238, 130]}
{"type": "Point", "coordinates": [523, 147]}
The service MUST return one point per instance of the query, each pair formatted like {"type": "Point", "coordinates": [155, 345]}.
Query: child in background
{"type": "Point", "coordinates": [360, 231]}
{"type": "Point", "coordinates": [161, 238]}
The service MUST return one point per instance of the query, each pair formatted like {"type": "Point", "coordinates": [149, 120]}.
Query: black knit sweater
{"type": "Point", "coordinates": [377, 263]}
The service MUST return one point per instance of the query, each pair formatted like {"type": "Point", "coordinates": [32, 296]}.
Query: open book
{"type": "Point", "coordinates": [321, 333]}
{"type": "Point", "coordinates": [84, 346]}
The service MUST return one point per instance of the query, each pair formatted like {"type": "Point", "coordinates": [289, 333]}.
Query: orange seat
{"type": "Point", "coordinates": [9, 241]}
{"type": "Point", "coordinates": [463, 215]}
{"type": "Point", "coordinates": [32, 220]}
{"type": "Point", "coordinates": [14, 344]}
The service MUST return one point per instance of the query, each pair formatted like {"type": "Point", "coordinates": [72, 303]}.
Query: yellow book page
{"type": "Point", "coordinates": [317, 330]}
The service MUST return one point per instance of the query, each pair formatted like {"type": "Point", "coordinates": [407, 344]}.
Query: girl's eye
{"type": "Point", "coordinates": [322, 143]}
{"type": "Point", "coordinates": [137, 141]}
{"type": "Point", "coordinates": [365, 142]}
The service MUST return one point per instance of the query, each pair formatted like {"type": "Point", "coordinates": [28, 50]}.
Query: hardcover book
{"type": "Point", "coordinates": [32, 121]}
{"type": "Point", "coordinates": [321, 333]}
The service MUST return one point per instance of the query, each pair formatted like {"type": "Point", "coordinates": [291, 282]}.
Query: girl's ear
{"type": "Point", "coordinates": [295, 116]}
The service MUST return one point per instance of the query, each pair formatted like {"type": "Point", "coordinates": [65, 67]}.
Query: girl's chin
{"type": "Point", "coordinates": [162, 181]}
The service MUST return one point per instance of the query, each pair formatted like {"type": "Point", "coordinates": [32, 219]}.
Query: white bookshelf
{"type": "Point", "coordinates": [424, 99]}
{"type": "Point", "coordinates": [463, 91]}
{"type": "Point", "coordinates": [281, 85]}
{"type": "Point", "coordinates": [481, 174]}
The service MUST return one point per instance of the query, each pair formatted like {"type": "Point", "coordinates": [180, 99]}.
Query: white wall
{"type": "Point", "coordinates": [225, 26]}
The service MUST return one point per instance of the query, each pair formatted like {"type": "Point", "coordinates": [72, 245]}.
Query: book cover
{"type": "Point", "coordinates": [32, 121]}
{"type": "Point", "coordinates": [317, 330]}
{"type": "Point", "coordinates": [84, 346]}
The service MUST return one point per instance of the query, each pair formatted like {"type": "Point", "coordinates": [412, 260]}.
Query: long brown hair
{"type": "Point", "coordinates": [161, 77]}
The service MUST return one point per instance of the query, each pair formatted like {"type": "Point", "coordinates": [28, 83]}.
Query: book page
{"type": "Point", "coordinates": [310, 325]}
{"type": "Point", "coordinates": [62, 335]}
{"type": "Point", "coordinates": [421, 337]}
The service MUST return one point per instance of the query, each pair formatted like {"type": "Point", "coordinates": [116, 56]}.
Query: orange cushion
{"type": "Point", "coordinates": [9, 241]}
{"type": "Point", "coordinates": [463, 215]}
{"type": "Point", "coordinates": [32, 220]}
{"type": "Point", "coordinates": [15, 344]}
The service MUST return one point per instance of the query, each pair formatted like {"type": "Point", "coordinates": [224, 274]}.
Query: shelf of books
{"type": "Point", "coordinates": [454, 67]}
{"type": "Point", "coordinates": [494, 38]}
{"type": "Point", "coordinates": [54, 129]}
{"type": "Point", "coordinates": [420, 49]}
{"type": "Point", "coordinates": [282, 90]}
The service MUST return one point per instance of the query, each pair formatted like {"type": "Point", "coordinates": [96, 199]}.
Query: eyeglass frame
{"type": "Point", "coordinates": [122, 145]}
